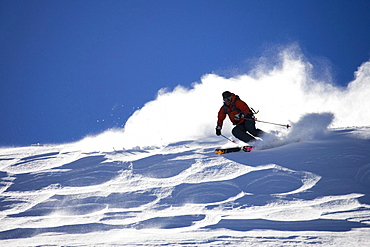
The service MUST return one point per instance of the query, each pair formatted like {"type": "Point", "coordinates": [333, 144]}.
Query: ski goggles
{"type": "Point", "coordinates": [227, 99]}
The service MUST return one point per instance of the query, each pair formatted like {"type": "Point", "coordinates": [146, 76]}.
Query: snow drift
{"type": "Point", "coordinates": [183, 194]}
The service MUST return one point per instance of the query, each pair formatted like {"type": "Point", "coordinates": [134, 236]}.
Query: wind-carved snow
{"type": "Point", "coordinates": [298, 193]}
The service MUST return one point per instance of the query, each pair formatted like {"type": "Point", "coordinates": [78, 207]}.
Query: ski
{"type": "Point", "coordinates": [234, 149]}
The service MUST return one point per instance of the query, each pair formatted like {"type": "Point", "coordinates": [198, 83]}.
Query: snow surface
{"type": "Point", "coordinates": [159, 182]}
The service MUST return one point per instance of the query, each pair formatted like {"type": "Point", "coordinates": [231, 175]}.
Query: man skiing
{"type": "Point", "coordinates": [240, 115]}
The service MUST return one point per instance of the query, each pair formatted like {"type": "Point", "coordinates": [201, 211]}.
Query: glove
{"type": "Point", "coordinates": [218, 130]}
{"type": "Point", "coordinates": [239, 116]}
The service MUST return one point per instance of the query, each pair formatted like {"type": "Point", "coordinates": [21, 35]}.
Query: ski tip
{"type": "Point", "coordinates": [219, 151]}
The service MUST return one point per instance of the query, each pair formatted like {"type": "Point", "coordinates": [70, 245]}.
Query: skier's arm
{"type": "Point", "coordinates": [221, 117]}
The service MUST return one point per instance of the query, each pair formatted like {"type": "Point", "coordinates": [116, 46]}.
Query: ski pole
{"type": "Point", "coordinates": [287, 125]}
{"type": "Point", "coordinates": [284, 125]}
{"type": "Point", "coordinates": [228, 139]}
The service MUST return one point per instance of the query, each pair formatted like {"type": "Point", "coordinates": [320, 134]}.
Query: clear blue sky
{"type": "Point", "coordinates": [76, 67]}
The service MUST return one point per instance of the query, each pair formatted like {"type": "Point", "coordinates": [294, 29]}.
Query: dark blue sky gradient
{"type": "Point", "coordinates": [73, 68]}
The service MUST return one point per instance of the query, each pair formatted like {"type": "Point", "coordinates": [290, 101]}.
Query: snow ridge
{"type": "Point", "coordinates": [309, 192]}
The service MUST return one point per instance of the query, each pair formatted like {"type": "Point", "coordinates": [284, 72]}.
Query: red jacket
{"type": "Point", "coordinates": [236, 106]}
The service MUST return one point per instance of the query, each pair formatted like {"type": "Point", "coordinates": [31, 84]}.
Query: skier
{"type": "Point", "coordinates": [240, 115]}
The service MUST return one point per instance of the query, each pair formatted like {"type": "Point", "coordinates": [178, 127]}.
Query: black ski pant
{"type": "Point", "coordinates": [246, 131]}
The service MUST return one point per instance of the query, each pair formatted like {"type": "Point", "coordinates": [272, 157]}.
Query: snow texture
{"type": "Point", "coordinates": [149, 185]}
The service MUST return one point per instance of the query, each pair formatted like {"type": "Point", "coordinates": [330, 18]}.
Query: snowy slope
{"type": "Point", "coordinates": [309, 192]}
{"type": "Point", "coordinates": [158, 181]}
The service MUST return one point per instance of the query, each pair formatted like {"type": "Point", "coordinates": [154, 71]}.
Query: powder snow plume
{"type": "Point", "coordinates": [283, 93]}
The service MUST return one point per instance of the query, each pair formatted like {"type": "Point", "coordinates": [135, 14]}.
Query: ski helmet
{"type": "Point", "coordinates": [226, 94]}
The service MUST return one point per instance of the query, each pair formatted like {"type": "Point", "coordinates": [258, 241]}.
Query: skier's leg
{"type": "Point", "coordinates": [240, 132]}
{"type": "Point", "coordinates": [250, 126]}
